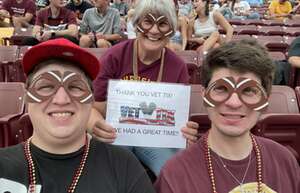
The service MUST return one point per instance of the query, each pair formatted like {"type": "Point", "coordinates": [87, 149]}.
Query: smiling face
{"type": "Point", "coordinates": [60, 117]}
{"type": "Point", "coordinates": [153, 32]}
{"type": "Point", "coordinates": [232, 117]}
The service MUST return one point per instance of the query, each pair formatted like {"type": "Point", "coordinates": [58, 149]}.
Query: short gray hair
{"type": "Point", "coordinates": [161, 7]}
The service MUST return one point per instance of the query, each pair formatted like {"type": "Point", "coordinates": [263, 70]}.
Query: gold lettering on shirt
{"type": "Point", "coordinates": [251, 188]}
{"type": "Point", "coordinates": [131, 77]}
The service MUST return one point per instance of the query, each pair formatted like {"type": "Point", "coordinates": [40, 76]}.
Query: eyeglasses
{"type": "Point", "coordinates": [47, 84]}
{"type": "Point", "coordinates": [149, 20]}
{"type": "Point", "coordinates": [250, 92]}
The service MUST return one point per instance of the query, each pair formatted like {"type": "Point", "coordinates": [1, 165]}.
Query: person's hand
{"type": "Point", "coordinates": [100, 35]}
{"type": "Point", "coordinates": [190, 132]}
{"type": "Point", "coordinates": [104, 132]}
{"type": "Point", "coordinates": [46, 35]}
{"type": "Point", "coordinates": [200, 40]}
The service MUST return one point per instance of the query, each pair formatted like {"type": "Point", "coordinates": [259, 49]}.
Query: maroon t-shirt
{"type": "Point", "coordinates": [117, 64]}
{"type": "Point", "coordinates": [19, 9]}
{"type": "Point", "coordinates": [187, 172]}
{"type": "Point", "coordinates": [65, 18]}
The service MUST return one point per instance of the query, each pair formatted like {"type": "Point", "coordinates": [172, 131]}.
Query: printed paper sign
{"type": "Point", "coordinates": [148, 114]}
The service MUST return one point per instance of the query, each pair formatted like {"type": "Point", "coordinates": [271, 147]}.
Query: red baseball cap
{"type": "Point", "coordinates": [61, 48]}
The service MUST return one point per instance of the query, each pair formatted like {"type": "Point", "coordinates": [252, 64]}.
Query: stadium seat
{"type": "Point", "coordinates": [292, 31]}
{"type": "Point", "coordinates": [20, 130]}
{"type": "Point", "coordinates": [19, 35]}
{"type": "Point", "coordinates": [12, 106]}
{"type": "Point", "coordinates": [274, 22]}
{"type": "Point", "coordinates": [277, 56]}
{"type": "Point", "coordinates": [284, 129]}
{"type": "Point", "coordinates": [289, 39]}
{"type": "Point", "coordinates": [273, 43]}
{"type": "Point", "coordinates": [271, 30]}
{"type": "Point", "coordinates": [191, 58]}
{"type": "Point", "coordinates": [198, 112]}
{"type": "Point", "coordinates": [292, 23]}
{"type": "Point", "coordinates": [8, 58]}
{"type": "Point", "coordinates": [240, 37]}
{"type": "Point", "coordinates": [246, 29]}
{"type": "Point", "coordinates": [282, 100]}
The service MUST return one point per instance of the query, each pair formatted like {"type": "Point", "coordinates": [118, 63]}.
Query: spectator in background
{"type": "Point", "coordinates": [53, 22]}
{"type": "Point", "coordinates": [237, 78]}
{"type": "Point", "coordinates": [20, 12]}
{"type": "Point", "coordinates": [178, 41]}
{"type": "Point", "coordinates": [155, 22]}
{"type": "Point", "coordinates": [203, 30]}
{"type": "Point", "coordinates": [255, 3]}
{"type": "Point", "coordinates": [121, 6]}
{"type": "Point", "coordinates": [241, 10]}
{"type": "Point", "coordinates": [185, 8]}
{"type": "Point", "coordinates": [100, 26]}
{"type": "Point", "coordinates": [280, 9]}
{"type": "Point", "coordinates": [79, 7]}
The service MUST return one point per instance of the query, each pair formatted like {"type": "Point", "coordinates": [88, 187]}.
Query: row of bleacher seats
{"type": "Point", "coordinates": [280, 122]}
{"type": "Point", "coordinates": [262, 22]}
{"type": "Point", "coordinates": [11, 57]}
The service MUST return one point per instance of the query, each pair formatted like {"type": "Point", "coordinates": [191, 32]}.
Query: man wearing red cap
{"type": "Point", "coordinates": [60, 156]}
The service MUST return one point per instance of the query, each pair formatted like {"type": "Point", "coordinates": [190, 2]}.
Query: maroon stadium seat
{"type": "Point", "coordinates": [8, 58]}
{"type": "Point", "coordinates": [191, 58]}
{"type": "Point", "coordinates": [273, 22]}
{"type": "Point", "coordinates": [198, 112]}
{"type": "Point", "coordinates": [292, 23]}
{"type": "Point", "coordinates": [281, 121]}
{"type": "Point", "coordinates": [271, 30]}
{"type": "Point", "coordinates": [20, 130]}
{"type": "Point", "coordinates": [240, 37]}
{"type": "Point", "coordinates": [12, 105]}
{"type": "Point", "coordinates": [246, 29]}
{"type": "Point", "coordinates": [292, 31]}
{"type": "Point", "coordinates": [273, 43]}
{"type": "Point", "coordinates": [277, 55]}
{"type": "Point", "coordinates": [19, 35]}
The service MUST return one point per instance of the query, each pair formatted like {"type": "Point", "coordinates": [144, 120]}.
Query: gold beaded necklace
{"type": "Point", "coordinates": [210, 169]}
{"type": "Point", "coordinates": [32, 171]}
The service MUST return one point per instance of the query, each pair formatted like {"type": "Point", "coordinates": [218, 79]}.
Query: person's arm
{"type": "Point", "coordinates": [22, 21]}
{"type": "Point", "coordinates": [294, 61]}
{"type": "Point", "coordinates": [72, 30]}
{"type": "Point", "coordinates": [184, 28]}
{"type": "Point", "coordinates": [220, 20]}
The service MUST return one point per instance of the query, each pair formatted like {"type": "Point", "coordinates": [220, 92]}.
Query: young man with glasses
{"type": "Point", "coordinates": [237, 78]}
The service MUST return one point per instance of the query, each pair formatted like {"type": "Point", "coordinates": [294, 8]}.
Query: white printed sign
{"type": "Point", "coordinates": [148, 114]}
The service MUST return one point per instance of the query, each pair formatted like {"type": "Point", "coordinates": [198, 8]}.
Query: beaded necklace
{"type": "Point", "coordinates": [32, 170]}
{"type": "Point", "coordinates": [210, 169]}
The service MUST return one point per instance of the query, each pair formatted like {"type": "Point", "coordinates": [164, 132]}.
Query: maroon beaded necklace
{"type": "Point", "coordinates": [32, 173]}
{"type": "Point", "coordinates": [210, 169]}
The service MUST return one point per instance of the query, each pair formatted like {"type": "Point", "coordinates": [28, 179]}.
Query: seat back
{"type": "Point", "coordinates": [198, 111]}
{"type": "Point", "coordinates": [191, 58]}
{"type": "Point", "coordinates": [284, 129]}
{"type": "Point", "coordinates": [282, 100]}
{"type": "Point", "coordinates": [98, 52]}
{"type": "Point", "coordinates": [12, 98]}
{"type": "Point", "coordinates": [8, 58]}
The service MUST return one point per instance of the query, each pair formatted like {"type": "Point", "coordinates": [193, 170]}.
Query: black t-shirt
{"type": "Point", "coordinates": [109, 169]}
{"type": "Point", "coordinates": [79, 9]}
